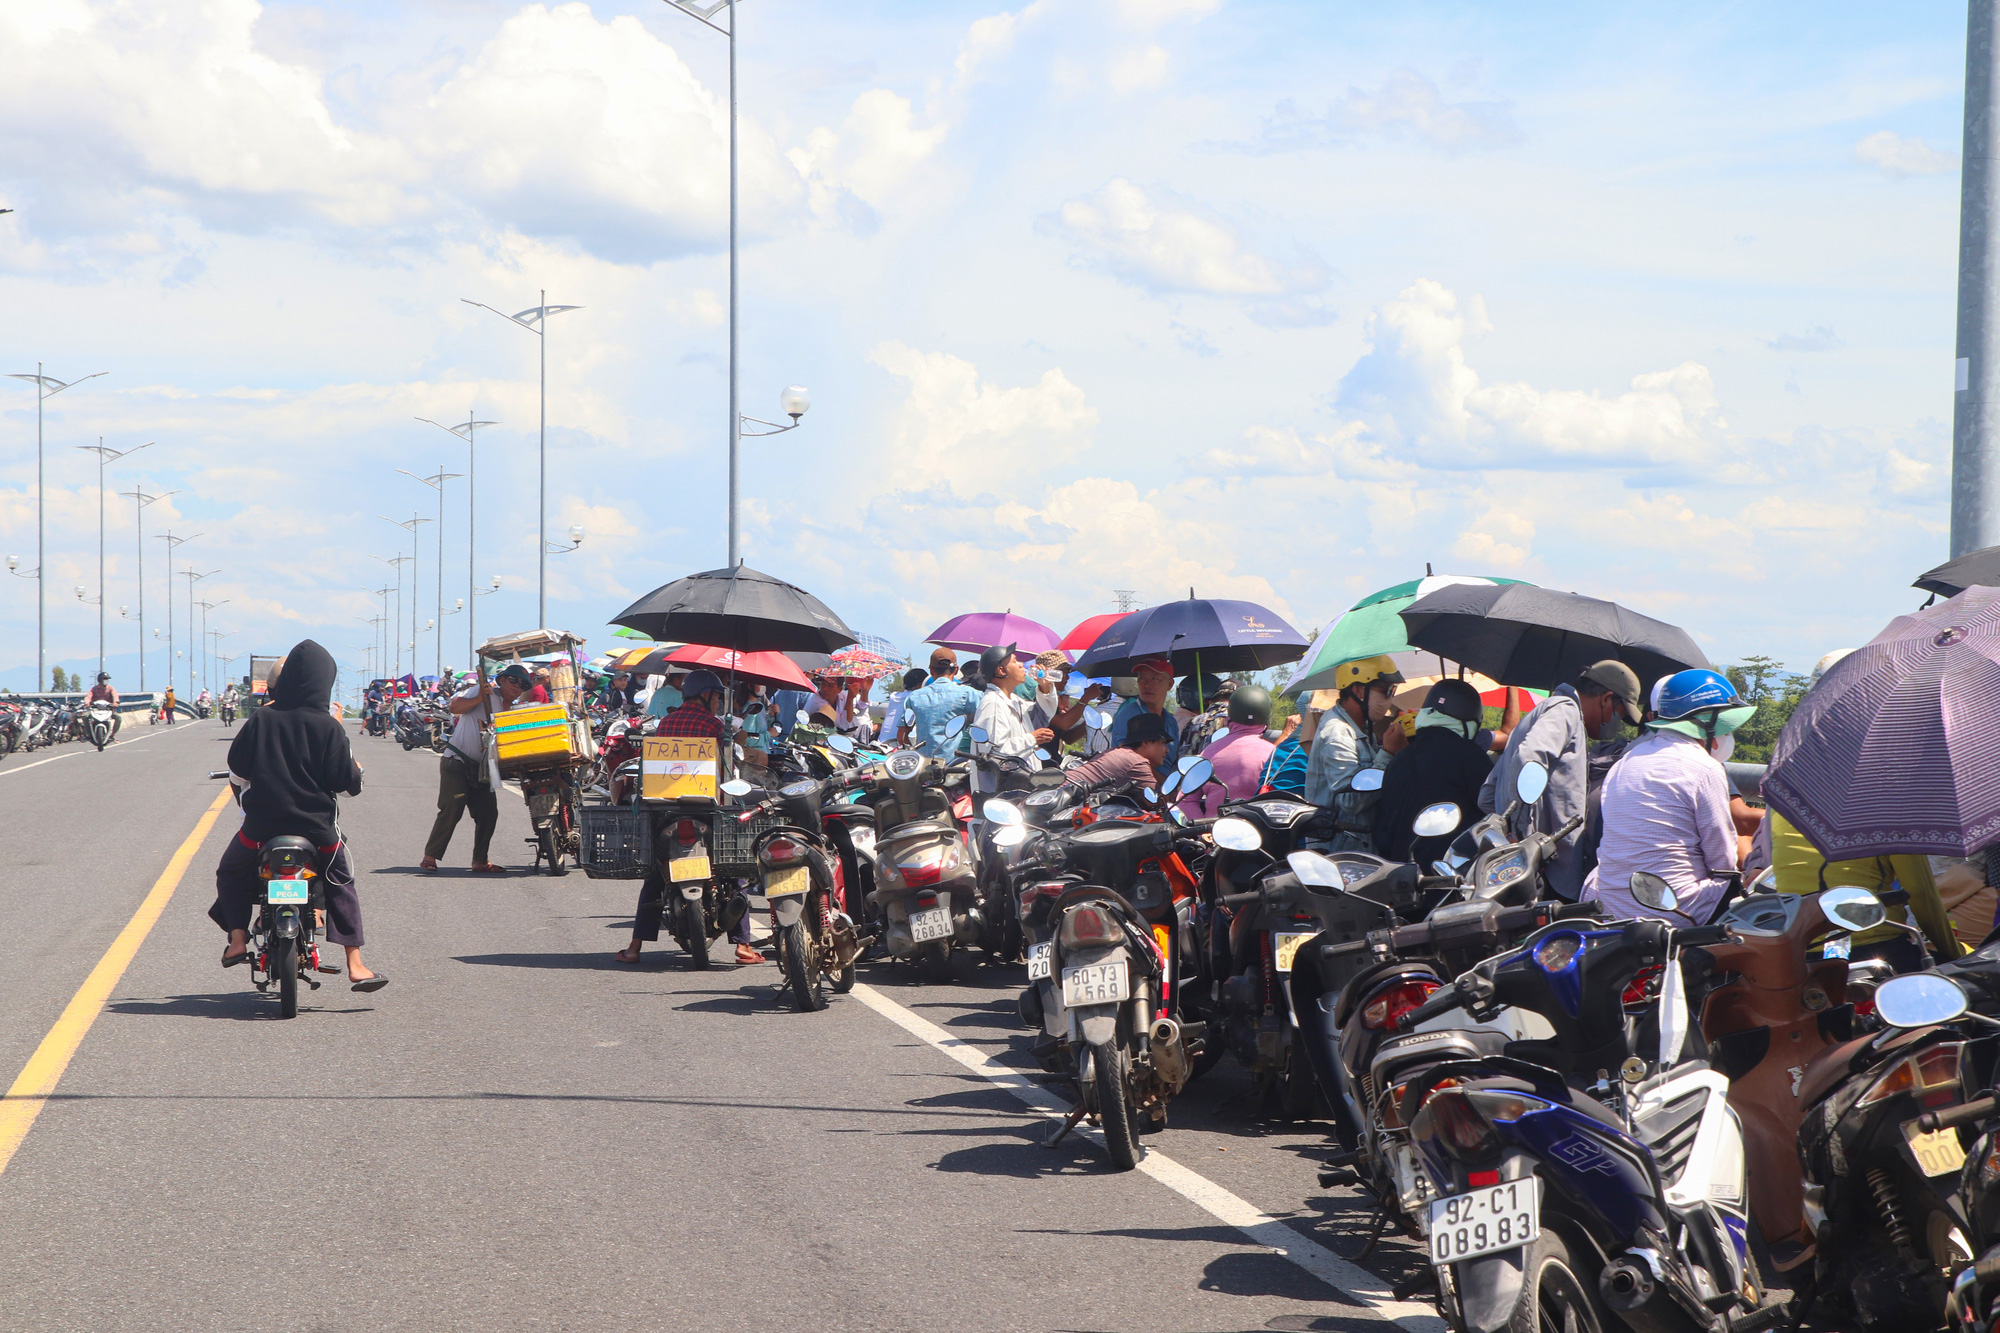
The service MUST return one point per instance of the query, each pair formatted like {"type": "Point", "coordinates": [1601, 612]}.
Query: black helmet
{"type": "Point", "coordinates": [103, 676]}
{"type": "Point", "coordinates": [1456, 699]}
{"type": "Point", "coordinates": [1198, 692]}
{"type": "Point", "coordinates": [1252, 703]}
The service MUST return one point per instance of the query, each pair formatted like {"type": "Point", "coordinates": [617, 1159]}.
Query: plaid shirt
{"type": "Point", "coordinates": [691, 719]}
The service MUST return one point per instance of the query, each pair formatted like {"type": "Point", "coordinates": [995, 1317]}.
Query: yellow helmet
{"type": "Point", "coordinates": [1367, 671]}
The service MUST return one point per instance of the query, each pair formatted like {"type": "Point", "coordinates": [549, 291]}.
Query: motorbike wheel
{"type": "Point", "coordinates": [936, 962]}
{"type": "Point", "coordinates": [99, 739]}
{"type": "Point", "coordinates": [1554, 1296]}
{"type": "Point", "coordinates": [1114, 1112]}
{"type": "Point", "coordinates": [1298, 1096]}
{"type": "Point", "coordinates": [285, 969]}
{"type": "Point", "coordinates": [695, 925]}
{"type": "Point", "coordinates": [795, 948]}
{"type": "Point", "coordinates": [552, 852]}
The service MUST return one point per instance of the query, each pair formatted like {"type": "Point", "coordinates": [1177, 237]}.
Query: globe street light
{"type": "Point", "coordinates": [535, 319]}
{"type": "Point", "coordinates": [104, 455]}
{"type": "Point", "coordinates": [575, 540]}
{"type": "Point", "coordinates": [46, 387]}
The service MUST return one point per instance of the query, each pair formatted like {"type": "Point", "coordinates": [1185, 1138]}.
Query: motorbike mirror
{"type": "Point", "coordinates": [979, 735]}
{"type": "Point", "coordinates": [802, 717]}
{"type": "Point", "coordinates": [1237, 835]}
{"type": "Point", "coordinates": [1174, 813]}
{"type": "Point", "coordinates": [737, 787]}
{"type": "Point", "coordinates": [1197, 775]}
{"type": "Point", "coordinates": [1919, 1000]}
{"type": "Point", "coordinates": [1004, 813]}
{"type": "Point", "coordinates": [1649, 890]}
{"type": "Point", "coordinates": [753, 708]}
{"type": "Point", "coordinates": [1368, 779]}
{"type": "Point", "coordinates": [1434, 821]}
{"type": "Point", "coordinates": [1317, 870]}
{"type": "Point", "coordinates": [1187, 762]}
{"type": "Point", "coordinates": [1011, 836]}
{"type": "Point", "coordinates": [1852, 908]}
{"type": "Point", "coordinates": [954, 727]}
{"type": "Point", "coordinates": [1096, 719]}
{"type": "Point", "coordinates": [1532, 782]}
{"type": "Point", "coordinates": [1171, 785]}
{"type": "Point", "coordinates": [840, 744]}
{"type": "Point", "coordinates": [1150, 795]}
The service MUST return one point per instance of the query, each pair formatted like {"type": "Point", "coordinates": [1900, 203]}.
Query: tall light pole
{"type": "Point", "coordinates": [409, 525]}
{"type": "Point", "coordinates": [535, 319]}
{"type": "Point", "coordinates": [215, 653]}
{"type": "Point", "coordinates": [104, 455]}
{"type": "Point", "coordinates": [467, 430]}
{"type": "Point", "coordinates": [1975, 417]}
{"type": "Point", "coordinates": [375, 649]}
{"type": "Point", "coordinates": [436, 482]}
{"type": "Point", "coordinates": [381, 635]}
{"type": "Point", "coordinates": [706, 13]}
{"type": "Point", "coordinates": [194, 649]}
{"type": "Point", "coordinates": [206, 607]}
{"type": "Point", "coordinates": [140, 500]}
{"type": "Point", "coordinates": [398, 561]}
{"type": "Point", "coordinates": [46, 387]}
{"type": "Point", "coordinates": [173, 543]}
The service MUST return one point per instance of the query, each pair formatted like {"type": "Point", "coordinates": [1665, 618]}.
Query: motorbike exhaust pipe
{"type": "Point", "coordinates": [1627, 1282]}
{"type": "Point", "coordinates": [1168, 1052]}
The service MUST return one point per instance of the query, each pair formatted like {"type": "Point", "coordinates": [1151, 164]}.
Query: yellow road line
{"type": "Point", "coordinates": [31, 1091]}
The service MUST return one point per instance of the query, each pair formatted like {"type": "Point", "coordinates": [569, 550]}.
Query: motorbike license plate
{"type": "Point", "coordinates": [932, 925]}
{"type": "Point", "coordinates": [1939, 1152]}
{"type": "Point", "coordinates": [787, 883]}
{"type": "Point", "coordinates": [1041, 961]}
{"type": "Point", "coordinates": [1097, 983]}
{"type": "Point", "coordinates": [1500, 1217]}
{"type": "Point", "coordinates": [1286, 948]}
{"type": "Point", "coordinates": [689, 867]}
{"type": "Point", "coordinates": [285, 891]}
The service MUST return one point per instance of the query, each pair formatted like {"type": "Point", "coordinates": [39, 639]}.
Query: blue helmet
{"type": "Point", "coordinates": [1699, 703]}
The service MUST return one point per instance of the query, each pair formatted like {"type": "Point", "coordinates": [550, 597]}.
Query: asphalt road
{"type": "Point", "coordinates": [519, 1132]}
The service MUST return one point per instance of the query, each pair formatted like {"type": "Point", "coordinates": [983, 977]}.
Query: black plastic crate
{"type": "Point", "coordinates": [731, 846]}
{"type": "Point", "coordinates": [617, 841]}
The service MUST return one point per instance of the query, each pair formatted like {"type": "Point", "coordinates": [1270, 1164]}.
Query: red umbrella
{"type": "Point", "coordinates": [1497, 697]}
{"type": "Point", "coordinates": [1087, 633]}
{"type": "Point", "coordinates": [773, 669]}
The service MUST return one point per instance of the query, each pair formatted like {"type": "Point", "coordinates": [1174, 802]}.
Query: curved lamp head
{"type": "Point", "coordinates": [496, 580]}
{"type": "Point", "coordinates": [576, 534]}
{"type": "Point", "coordinates": [80, 591]}
{"type": "Point", "coordinates": [794, 401]}
{"type": "Point", "coordinates": [13, 562]}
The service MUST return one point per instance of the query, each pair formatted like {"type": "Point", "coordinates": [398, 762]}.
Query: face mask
{"type": "Point", "coordinates": [1724, 747]}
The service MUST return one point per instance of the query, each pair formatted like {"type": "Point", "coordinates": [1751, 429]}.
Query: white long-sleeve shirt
{"type": "Point", "coordinates": [1666, 810]}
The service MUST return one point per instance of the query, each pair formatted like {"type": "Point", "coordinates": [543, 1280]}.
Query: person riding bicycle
{"type": "Point", "coordinates": [291, 764]}
{"type": "Point", "coordinates": [102, 692]}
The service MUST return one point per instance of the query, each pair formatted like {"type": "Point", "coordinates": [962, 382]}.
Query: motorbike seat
{"type": "Point", "coordinates": [288, 842]}
{"type": "Point", "coordinates": [1116, 833]}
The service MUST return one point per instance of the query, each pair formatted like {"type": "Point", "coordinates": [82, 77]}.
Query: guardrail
{"type": "Point", "coordinates": [127, 703]}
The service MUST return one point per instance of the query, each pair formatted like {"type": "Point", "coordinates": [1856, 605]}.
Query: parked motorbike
{"type": "Point", "coordinates": [102, 723]}
{"type": "Point", "coordinates": [799, 874]}
{"type": "Point", "coordinates": [1579, 1176]}
{"type": "Point", "coordinates": [926, 878]}
{"type": "Point", "coordinates": [553, 796]}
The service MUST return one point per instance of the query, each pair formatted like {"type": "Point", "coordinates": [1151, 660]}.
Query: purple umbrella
{"type": "Point", "coordinates": [1897, 749]}
{"type": "Point", "coordinates": [977, 631]}
{"type": "Point", "coordinates": [1199, 635]}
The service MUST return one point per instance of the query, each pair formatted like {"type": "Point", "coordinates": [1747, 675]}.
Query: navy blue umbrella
{"type": "Point", "coordinates": [1198, 635]}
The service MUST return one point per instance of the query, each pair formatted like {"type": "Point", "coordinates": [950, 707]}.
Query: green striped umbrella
{"type": "Point", "coordinates": [1371, 628]}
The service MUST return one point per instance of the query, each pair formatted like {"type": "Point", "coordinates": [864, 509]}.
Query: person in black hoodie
{"type": "Point", "coordinates": [1442, 762]}
{"type": "Point", "coordinates": [290, 764]}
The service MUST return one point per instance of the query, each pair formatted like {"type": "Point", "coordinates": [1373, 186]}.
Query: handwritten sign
{"type": "Point", "coordinates": [678, 768]}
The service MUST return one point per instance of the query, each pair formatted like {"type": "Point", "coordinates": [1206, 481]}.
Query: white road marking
{"type": "Point", "coordinates": [1282, 1240]}
{"type": "Point", "coordinates": [83, 748]}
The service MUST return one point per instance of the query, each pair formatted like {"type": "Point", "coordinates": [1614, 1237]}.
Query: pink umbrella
{"type": "Point", "coordinates": [772, 669]}
{"type": "Point", "coordinates": [979, 630]}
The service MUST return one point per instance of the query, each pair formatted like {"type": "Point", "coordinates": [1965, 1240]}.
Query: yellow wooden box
{"type": "Point", "coordinates": [679, 768]}
{"type": "Point", "coordinates": [533, 735]}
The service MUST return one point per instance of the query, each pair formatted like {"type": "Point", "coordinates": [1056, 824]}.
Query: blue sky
{"type": "Point", "coordinates": [1272, 300]}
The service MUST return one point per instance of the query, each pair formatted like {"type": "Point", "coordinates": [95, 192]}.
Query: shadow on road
{"type": "Point", "coordinates": [241, 1006]}
{"type": "Point", "coordinates": [574, 962]}
{"type": "Point", "coordinates": [1023, 1157]}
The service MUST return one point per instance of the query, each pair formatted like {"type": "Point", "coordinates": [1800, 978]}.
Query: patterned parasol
{"type": "Point", "coordinates": [858, 663]}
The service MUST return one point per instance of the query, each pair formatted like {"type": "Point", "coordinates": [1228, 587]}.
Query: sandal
{"type": "Point", "coordinates": [488, 868]}
{"type": "Point", "coordinates": [749, 956]}
{"type": "Point", "coordinates": [429, 864]}
{"type": "Point", "coordinates": [369, 985]}
{"type": "Point", "coordinates": [235, 960]}
{"type": "Point", "coordinates": [628, 954]}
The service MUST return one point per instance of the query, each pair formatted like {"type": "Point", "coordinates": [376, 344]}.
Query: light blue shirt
{"type": "Point", "coordinates": [928, 711]}
{"type": "Point", "coordinates": [665, 700]}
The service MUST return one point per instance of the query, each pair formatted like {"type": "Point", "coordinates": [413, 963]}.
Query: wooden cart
{"type": "Point", "coordinates": [544, 747]}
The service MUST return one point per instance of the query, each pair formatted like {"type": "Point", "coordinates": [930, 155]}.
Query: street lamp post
{"type": "Point", "coordinates": [173, 544]}
{"type": "Point", "coordinates": [398, 561]}
{"type": "Point", "coordinates": [535, 319]}
{"type": "Point", "coordinates": [705, 13]}
{"type": "Point", "coordinates": [416, 566]}
{"type": "Point", "coordinates": [466, 431]}
{"type": "Point", "coordinates": [104, 455]}
{"type": "Point", "coordinates": [195, 649]}
{"type": "Point", "coordinates": [46, 387]}
{"type": "Point", "coordinates": [381, 635]}
{"type": "Point", "coordinates": [140, 500]}
{"type": "Point", "coordinates": [436, 482]}
{"type": "Point", "coordinates": [206, 607]}
{"type": "Point", "coordinates": [215, 653]}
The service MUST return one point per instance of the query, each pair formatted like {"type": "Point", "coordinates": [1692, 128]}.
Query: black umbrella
{"type": "Point", "coordinates": [1199, 635]}
{"type": "Point", "coordinates": [738, 608]}
{"type": "Point", "coordinates": [1974, 569]}
{"type": "Point", "coordinates": [1523, 635]}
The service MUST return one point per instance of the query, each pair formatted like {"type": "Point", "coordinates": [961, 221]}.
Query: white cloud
{"type": "Point", "coordinates": [1157, 13]}
{"type": "Point", "coordinates": [952, 425]}
{"type": "Point", "coordinates": [1145, 67]}
{"type": "Point", "coordinates": [1407, 107]}
{"type": "Point", "coordinates": [1818, 338]}
{"type": "Point", "coordinates": [1163, 245]}
{"type": "Point", "coordinates": [1898, 157]}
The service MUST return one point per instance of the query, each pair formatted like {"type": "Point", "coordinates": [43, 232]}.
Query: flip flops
{"type": "Point", "coordinates": [369, 985]}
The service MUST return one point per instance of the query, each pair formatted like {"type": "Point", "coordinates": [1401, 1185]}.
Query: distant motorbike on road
{"type": "Point", "coordinates": [103, 723]}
